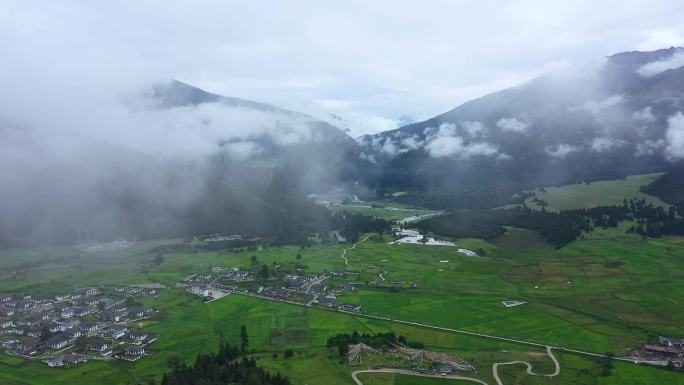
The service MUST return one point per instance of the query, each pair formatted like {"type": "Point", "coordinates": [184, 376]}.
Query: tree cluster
{"type": "Point", "coordinates": [381, 341]}
{"type": "Point", "coordinates": [351, 225]}
{"type": "Point", "coordinates": [558, 228]}
{"type": "Point", "coordinates": [226, 367]}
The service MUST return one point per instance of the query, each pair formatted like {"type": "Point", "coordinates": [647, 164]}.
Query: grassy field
{"type": "Point", "coordinates": [608, 291]}
{"type": "Point", "coordinates": [601, 193]}
{"type": "Point", "coordinates": [190, 327]}
{"type": "Point", "coordinates": [574, 298]}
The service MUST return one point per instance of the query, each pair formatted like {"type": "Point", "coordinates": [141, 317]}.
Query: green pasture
{"type": "Point", "coordinates": [599, 193]}
{"type": "Point", "coordinates": [606, 292]}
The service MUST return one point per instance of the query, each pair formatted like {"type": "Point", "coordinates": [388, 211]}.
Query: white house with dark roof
{"type": "Point", "coordinates": [91, 291]}
{"type": "Point", "coordinates": [119, 332]}
{"type": "Point", "coordinates": [98, 346]}
{"type": "Point", "coordinates": [135, 351]}
{"type": "Point", "coordinates": [67, 313]}
{"type": "Point", "coordinates": [6, 311]}
{"type": "Point", "coordinates": [62, 297]}
{"type": "Point", "coordinates": [138, 335]}
{"type": "Point", "coordinates": [57, 343]}
{"type": "Point", "coordinates": [88, 328]}
{"type": "Point", "coordinates": [55, 362]}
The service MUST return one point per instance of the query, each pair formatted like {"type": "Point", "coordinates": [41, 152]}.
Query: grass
{"type": "Point", "coordinates": [593, 194]}
{"type": "Point", "coordinates": [608, 291]}
{"type": "Point", "coordinates": [189, 327]}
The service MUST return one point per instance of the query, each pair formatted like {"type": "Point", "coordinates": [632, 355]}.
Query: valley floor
{"type": "Point", "coordinates": [609, 292]}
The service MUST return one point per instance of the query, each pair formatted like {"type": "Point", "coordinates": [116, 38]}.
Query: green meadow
{"type": "Point", "coordinates": [606, 292]}
{"type": "Point", "coordinates": [189, 327]}
{"type": "Point", "coordinates": [599, 193]}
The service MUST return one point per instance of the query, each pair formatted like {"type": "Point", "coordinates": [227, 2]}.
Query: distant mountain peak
{"type": "Point", "coordinates": [607, 120]}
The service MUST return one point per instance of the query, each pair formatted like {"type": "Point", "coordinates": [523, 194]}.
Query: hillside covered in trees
{"type": "Point", "coordinates": [669, 187]}
{"type": "Point", "coordinates": [558, 228]}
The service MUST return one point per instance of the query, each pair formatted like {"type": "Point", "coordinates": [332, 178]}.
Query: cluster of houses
{"type": "Point", "coordinates": [309, 289]}
{"type": "Point", "coordinates": [95, 247]}
{"type": "Point", "coordinates": [212, 291]}
{"type": "Point", "coordinates": [216, 282]}
{"type": "Point", "coordinates": [330, 301]}
{"type": "Point", "coordinates": [397, 281]}
{"type": "Point", "coordinates": [218, 274]}
{"type": "Point", "coordinates": [223, 238]}
{"type": "Point", "coordinates": [665, 349]}
{"type": "Point", "coordinates": [116, 341]}
{"type": "Point", "coordinates": [91, 321]}
{"type": "Point", "coordinates": [302, 282]}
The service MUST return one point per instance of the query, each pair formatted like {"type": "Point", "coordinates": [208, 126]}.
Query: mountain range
{"type": "Point", "coordinates": [619, 117]}
{"type": "Point", "coordinates": [251, 168]}
{"type": "Point", "coordinates": [253, 163]}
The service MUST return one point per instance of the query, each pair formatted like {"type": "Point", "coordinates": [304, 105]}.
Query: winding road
{"type": "Point", "coordinates": [495, 372]}
{"type": "Point", "coordinates": [344, 252]}
{"type": "Point", "coordinates": [549, 351]}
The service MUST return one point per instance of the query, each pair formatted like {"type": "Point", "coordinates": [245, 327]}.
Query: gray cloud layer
{"type": "Point", "coordinates": [370, 62]}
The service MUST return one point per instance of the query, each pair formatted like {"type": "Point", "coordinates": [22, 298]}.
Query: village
{"type": "Point", "coordinates": [301, 288]}
{"type": "Point", "coordinates": [68, 328]}
{"type": "Point", "coordinates": [665, 351]}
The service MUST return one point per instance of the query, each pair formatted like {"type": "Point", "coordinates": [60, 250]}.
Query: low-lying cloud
{"type": "Point", "coordinates": [656, 67]}
{"type": "Point", "coordinates": [603, 144]}
{"type": "Point", "coordinates": [675, 137]}
{"type": "Point", "coordinates": [518, 125]}
{"type": "Point", "coordinates": [598, 107]}
{"type": "Point", "coordinates": [561, 151]}
{"type": "Point", "coordinates": [445, 141]}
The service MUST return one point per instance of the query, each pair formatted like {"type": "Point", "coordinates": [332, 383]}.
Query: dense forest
{"type": "Point", "coordinates": [227, 367]}
{"type": "Point", "coordinates": [558, 228]}
{"type": "Point", "coordinates": [462, 200]}
{"type": "Point", "coordinates": [353, 225]}
{"type": "Point", "coordinates": [669, 186]}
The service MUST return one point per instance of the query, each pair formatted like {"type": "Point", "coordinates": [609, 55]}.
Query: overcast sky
{"type": "Point", "coordinates": [371, 62]}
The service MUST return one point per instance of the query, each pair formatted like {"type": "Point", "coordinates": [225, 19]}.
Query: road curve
{"type": "Point", "coordinates": [549, 351]}
{"type": "Point", "coordinates": [410, 373]}
{"type": "Point", "coordinates": [382, 275]}
{"type": "Point", "coordinates": [344, 252]}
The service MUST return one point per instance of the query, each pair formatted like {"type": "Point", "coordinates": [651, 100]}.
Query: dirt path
{"type": "Point", "coordinates": [549, 351]}
{"type": "Point", "coordinates": [382, 275]}
{"type": "Point", "coordinates": [344, 252]}
{"type": "Point", "coordinates": [415, 374]}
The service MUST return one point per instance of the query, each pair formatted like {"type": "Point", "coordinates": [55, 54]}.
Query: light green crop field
{"type": "Point", "coordinates": [600, 193]}
{"type": "Point", "coordinates": [606, 292]}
